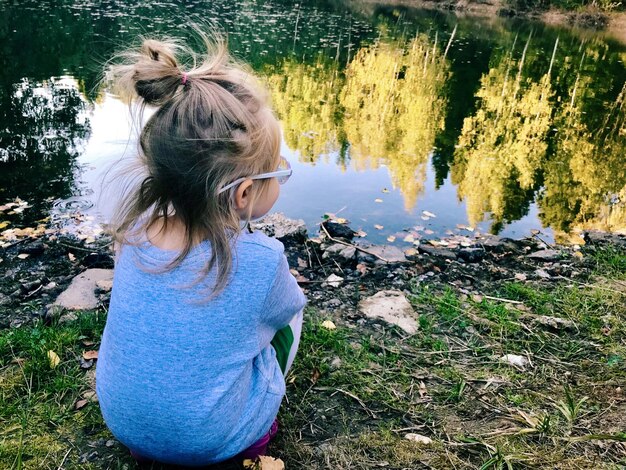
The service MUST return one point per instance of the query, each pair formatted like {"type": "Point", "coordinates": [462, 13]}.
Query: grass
{"type": "Point", "coordinates": [357, 390]}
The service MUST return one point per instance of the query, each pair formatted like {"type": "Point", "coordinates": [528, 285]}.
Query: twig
{"type": "Point", "coordinates": [351, 395]}
{"type": "Point", "coordinates": [64, 457]}
{"type": "Point", "coordinates": [353, 245]}
{"type": "Point", "coordinates": [499, 299]}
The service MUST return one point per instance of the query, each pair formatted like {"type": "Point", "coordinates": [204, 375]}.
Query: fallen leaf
{"type": "Point", "coordinates": [578, 254]}
{"type": "Point", "coordinates": [409, 239]}
{"type": "Point", "coordinates": [315, 375]}
{"type": "Point", "coordinates": [428, 231]}
{"type": "Point", "coordinates": [71, 257]}
{"type": "Point", "coordinates": [80, 404]}
{"type": "Point", "coordinates": [302, 263]}
{"type": "Point", "coordinates": [329, 325]}
{"type": "Point", "coordinates": [4, 224]}
{"type": "Point", "coordinates": [378, 200]}
{"type": "Point", "coordinates": [361, 268]}
{"type": "Point", "coordinates": [391, 239]}
{"type": "Point", "coordinates": [264, 462]}
{"type": "Point", "coordinates": [422, 390]}
{"type": "Point", "coordinates": [428, 214]}
{"type": "Point", "coordinates": [360, 233]}
{"type": "Point", "coordinates": [379, 227]}
{"type": "Point", "coordinates": [54, 359]}
{"type": "Point", "coordinates": [88, 355]}
{"type": "Point", "coordinates": [520, 276]}
{"type": "Point", "coordinates": [23, 255]}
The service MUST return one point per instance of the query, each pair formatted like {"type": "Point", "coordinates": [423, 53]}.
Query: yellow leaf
{"type": "Point", "coordinates": [328, 325]}
{"type": "Point", "coordinates": [4, 224]}
{"type": "Point", "coordinates": [264, 462]}
{"type": "Point", "coordinates": [54, 359]}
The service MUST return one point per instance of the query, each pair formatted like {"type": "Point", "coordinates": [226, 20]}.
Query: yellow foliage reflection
{"type": "Point", "coordinates": [394, 106]}
{"type": "Point", "coordinates": [389, 105]}
{"type": "Point", "coordinates": [502, 147]}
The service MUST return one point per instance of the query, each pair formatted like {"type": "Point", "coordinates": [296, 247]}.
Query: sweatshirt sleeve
{"type": "Point", "coordinates": [284, 300]}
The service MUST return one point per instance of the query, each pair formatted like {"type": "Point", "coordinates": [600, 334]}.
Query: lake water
{"type": "Point", "coordinates": [395, 119]}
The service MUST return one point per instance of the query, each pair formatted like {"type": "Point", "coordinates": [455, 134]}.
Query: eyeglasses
{"type": "Point", "coordinates": [282, 175]}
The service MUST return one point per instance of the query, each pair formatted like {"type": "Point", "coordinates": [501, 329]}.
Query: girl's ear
{"type": "Point", "coordinates": [243, 196]}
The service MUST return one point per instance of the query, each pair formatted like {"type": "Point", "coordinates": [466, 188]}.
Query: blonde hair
{"type": "Point", "coordinates": [212, 125]}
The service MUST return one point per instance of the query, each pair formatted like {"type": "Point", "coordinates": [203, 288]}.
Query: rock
{"type": "Point", "coordinates": [596, 237]}
{"type": "Point", "coordinates": [391, 253]}
{"type": "Point", "coordinates": [35, 248]}
{"type": "Point", "coordinates": [515, 360]}
{"type": "Point", "coordinates": [545, 255]}
{"type": "Point", "coordinates": [336, 230]}
{"type": "Point", "coordinates": [555, 322]}
{"type": "Point", "coordinates": [282, 228]}
{"type": "Point", "coordinates": [436, 252]}
{"type": "Point", "coordinates": [392, 307]}
{"type": "Point", "coordinates": [98, 260]}
{"type": "Point", "coordinates": [80, 294]}
{"type": "Point", "coordinates": [344, 251]}
{"type": "Point", "coordinates": [471, 255]}
{"type": "Point", "coordinates": [540, 273]}
{"type": "Point", "coordinates": [418, 438]}
{"type": "Point", "coordinates": [333, 281]}
{"type": "Point", "coordinates": [105, 285]}
{"type": "Point", "coordinates": [500, 245]}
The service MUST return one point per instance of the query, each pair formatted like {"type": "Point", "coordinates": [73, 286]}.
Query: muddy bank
{"type": "Point", "coordinates": [335, 267]}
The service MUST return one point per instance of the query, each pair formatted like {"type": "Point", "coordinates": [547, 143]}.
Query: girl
{"type": "Point", "coordinates": [204, 319]}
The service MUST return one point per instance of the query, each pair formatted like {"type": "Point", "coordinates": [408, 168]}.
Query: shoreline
{"type": "Point", "coordinates": [591, 20]}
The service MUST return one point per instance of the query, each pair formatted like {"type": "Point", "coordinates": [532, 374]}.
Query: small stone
{"type": "Point", "coordinates": [282, 228]}
{"type": "Point", "coordinates": [109, 443]}
{"type": "Point", "coordinates": [390, 253]}
{"type": "Point", "coordinates": [555, 322]}
{"type": "Point", "coordinates": [436, 252]}
{"type": "Point", "coordinates": [329, 325]}
{"type": "Point", "coordinates": [333, 281]}
{"type": "Point", "coordinates": [520, 276]}
{"type": "Point", "coordinates": [337, 230]}
{"type": "Point", "coordinates": [545, 255]}
{"type": "Point", "coordinates": [418, 438]}
{"type": "Point", "coordinates": [515, 360]}
{"type": "Point", "coordinates": [472, 255]}
{"type": "Point", "coordinates": [542, 274]}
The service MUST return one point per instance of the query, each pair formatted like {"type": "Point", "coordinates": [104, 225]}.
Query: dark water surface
{"type": "Point", "coordinates": [395, 119]}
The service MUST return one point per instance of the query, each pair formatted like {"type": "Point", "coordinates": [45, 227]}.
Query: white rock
{"type": "Point", "coordinates": [391, 306]}
{"type": "Point", "coordinates": [333, 280]}
{"type": "Point", "coordinates": [80, 294]}
{"type": "Point", "coordinates": [281, 227]}
{"type": "Point", "coordinates": [515, 360]}
{"type": "Point", "coordinates": [418, 438]}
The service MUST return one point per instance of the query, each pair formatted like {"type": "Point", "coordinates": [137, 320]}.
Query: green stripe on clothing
{"type": "Point", "coordinates": [282, 342]}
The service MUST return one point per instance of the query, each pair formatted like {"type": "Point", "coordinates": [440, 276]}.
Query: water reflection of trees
{"type": "Point", "coordinates": [42, 127]}
{"type": "Point", "coordinates": [388, 104]}
{"type": "Point", "coordinates": [528, 134]}
{"type": "Point", "coordinates": [503, 145]}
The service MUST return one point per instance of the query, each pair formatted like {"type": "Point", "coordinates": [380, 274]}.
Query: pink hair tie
{"type": "Point", "coordinates": [184, 80]}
